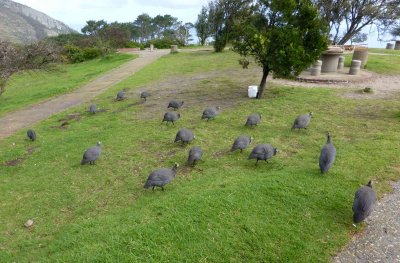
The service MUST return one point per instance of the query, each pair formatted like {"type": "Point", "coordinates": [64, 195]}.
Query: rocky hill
{"type": "Point", "coordinates": [22, 24]}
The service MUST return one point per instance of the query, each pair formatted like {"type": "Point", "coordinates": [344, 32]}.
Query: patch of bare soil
{"type": "Point", "coordinates": [382, 86]}
{"type": "Point", "coordinates": [227, 88]}
{"type": "Point", "coordinates": [29, 151]}
{"type": "Point", "coordinates": [217, 88]}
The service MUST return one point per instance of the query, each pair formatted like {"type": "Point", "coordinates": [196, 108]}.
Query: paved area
{"type": "Point", "coordinates": [380, 242]}
{"type": "Point", "coordinates": [23, 118]}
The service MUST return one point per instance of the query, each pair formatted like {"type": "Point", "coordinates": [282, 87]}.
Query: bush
{"type": "Point", "coordinates": [91, 53]}
{"type": "Point", "coordinates": [74, 54]}
{"type": "Point", "coordinates": [162, 43]}
{"type": "Point", "coordinates": [132, 44]}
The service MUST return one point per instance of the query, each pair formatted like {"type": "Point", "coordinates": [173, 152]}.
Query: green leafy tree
{"type": "Point", "coordinates": [144, 25]}
{"type": "Point", "coordinates": [93, 27]}
{"type": "Point", "coordinates": [222, 15]}
{"type": "Point", "coordinates": [202, 26]}
{"type": "Point", "coordinates": [348, 17]}
{"type": "Point", "coordinates": [359, 37]}
{"type": "Point", "coordinates": [284, 36]}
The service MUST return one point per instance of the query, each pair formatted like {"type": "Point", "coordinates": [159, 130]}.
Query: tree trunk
{"type": "Point", "coordinates": [260, 92]}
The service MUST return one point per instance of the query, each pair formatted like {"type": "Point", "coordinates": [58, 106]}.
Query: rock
{"type": "Point", "coordinates": [28, 223]}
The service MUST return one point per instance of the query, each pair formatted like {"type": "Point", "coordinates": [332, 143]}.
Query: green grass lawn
{"type": "Point", "coordinates": [388, 63]}
{"type": "Point", "coordinates": [225, 209]}
{"type": "Point", "coordinates": [384, 51]}
{"type": "Point", "coordinates": [32, 87]}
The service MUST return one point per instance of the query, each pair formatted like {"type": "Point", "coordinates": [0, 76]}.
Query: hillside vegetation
{"type": "Point", "coordinates": [225, 209]}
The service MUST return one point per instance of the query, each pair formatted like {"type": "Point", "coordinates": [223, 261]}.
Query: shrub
{"type": "Point", "coordinates": [74, 54]}
{"type": "Point", "coordinates": [162, 43]}
{"type": "Point", "coordinates": [92, 52]}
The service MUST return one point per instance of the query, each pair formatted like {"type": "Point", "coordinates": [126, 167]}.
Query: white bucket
{"type": "Point", "coordinates": [252, 91]}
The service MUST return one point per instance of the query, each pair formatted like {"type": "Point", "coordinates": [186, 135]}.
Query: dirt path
{"type": "Point", "coordinates": [14, 121]}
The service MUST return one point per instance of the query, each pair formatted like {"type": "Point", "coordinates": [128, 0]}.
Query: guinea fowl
{"type": "Point", "coordinates": [253, 119]}
{"type": "Point", "coordinates": [184, 135]}
{"type": "Point", "coordinates": [302, 121]}
{"type": "Point", "coordinates": [262, 152]}
{"type": "Point", "coordinates": [121, 95]}
{"type": "Point", "coordinates": [210, 113]}
{"type": "Point", "coordinates": [144, 95]}
{"type": "Point", "coordinates": [364, 201]}
{"type": "Point", "coordinates": [91, 154]}
{"type": "Point", "coordinates": [171, 116]}
{"type": "Point", "coordinates": [175, 104]}
{"type": "Point", "coordinates": [31, 134]}
{"type": "Point", "coordinates": [161, 177]}
{"type": "Point", "coordinates": [93, 108]}
{"type": "Point", "coordinates": [241, 143]}
{"type": "Point", "coordinates": [195, 155]}
{"type": "Point", "coordinates": [327, 156]}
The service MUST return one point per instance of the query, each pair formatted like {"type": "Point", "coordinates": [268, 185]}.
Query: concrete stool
{"type": "Point", "coordinates": [397, 45]}
{"type": "Point", "coordinates": [340, 65]}
{"type": "Point", "coordinates": [355, 67]}
{"type": "Point", "coordinates": [174, 49]}
{"type": "Point", "coordinates": [389, 46]}
{"type": "Point", "coordinates": [151, 47]}
{"type": "Point", "coordinates": [316, 68]}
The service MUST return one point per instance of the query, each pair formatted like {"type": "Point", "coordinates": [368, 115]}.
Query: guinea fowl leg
{"type": "Point", "coordinates": [153, 188]}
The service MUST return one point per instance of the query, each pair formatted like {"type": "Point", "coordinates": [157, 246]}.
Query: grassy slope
{"type": "Point", "coordinates": [43, 85]}
{"type": "Point", "coordinates": [225, 209]}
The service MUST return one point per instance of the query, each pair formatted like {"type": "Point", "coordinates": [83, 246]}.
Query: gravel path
{"type": "Point", "coordinates": [380, 242]}
{"type": "Point", "coordinates": [14, 121]}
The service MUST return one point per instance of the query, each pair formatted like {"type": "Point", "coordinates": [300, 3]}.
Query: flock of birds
{"type": "Point", "coordinates": [364, 198]}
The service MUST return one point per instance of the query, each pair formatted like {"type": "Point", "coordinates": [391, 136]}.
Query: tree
{"type": "Point", "coordinates": [202, 26]}
{"type": "Point", "coordinates": [359, 37]}
{"type": "Point", "coordinates": [17, 58]}
{"type": "Point", "coordinates": [144, 23]}
{"type": "Point", "coordinates": [284, 36]}
{"type": "Point", "coordinates": [348, 17]}
{"type": "Point", "coordinates": [93, 27]}
{"type": "Point", "coordinates": [395, 31]}
{"type": "Point", "coordinates": [221, 17]}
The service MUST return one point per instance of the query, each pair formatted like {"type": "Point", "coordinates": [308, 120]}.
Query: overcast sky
{"type": "Point", "coordinates": [75, 13]}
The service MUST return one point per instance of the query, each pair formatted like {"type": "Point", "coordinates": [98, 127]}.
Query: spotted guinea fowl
{"type": "Point", "coordinates": [210, 113]}
{"type": "Point", "coordinates": [91, 154]}
{"type": "Point", "coordinates": [327, 156]}
{"type": "Point", "coordinates": [175, 104]}
{"type": "Point", "coordinates": [195, 155]}
{"type": "Point", "coordinates": [364, 201]}
{"type": "Point", "coordinates": [262, 152]}
{"type": "Point", "coordinates": [302, 121]}
{"type": "Point", "coordinates": [184, 135]}
{"type": "Point", "coordinates": [171, 116]}
{"type": "Point", "coordinates": [93, 108]}
{"type": "Point", "coordinates": [144, 95]}
{"type": "Point", "coordinates": [241, 143]}
{"type": "Point", "coordinates": [161, 177]}
{"type": "Point", "coordinates": [121, 95]}
{"type": "Point", "coordinates": [253, 119]}
{"type": "Point", "coordinates": [31, 134]}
